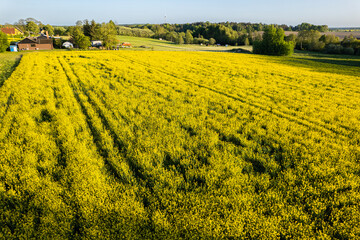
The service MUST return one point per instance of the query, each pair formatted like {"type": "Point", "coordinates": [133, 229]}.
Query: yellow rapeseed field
{"type": "Point", "coordinates": [179, 145]}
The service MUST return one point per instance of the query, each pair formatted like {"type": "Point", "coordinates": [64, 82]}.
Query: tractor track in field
{"type": "Point", "coordinates": [142, 178]}
{"type": "Point", "coordinates": [256, 96]}
{"type": "Point", "coordinates": [243, 97]}
{"type": "Point", "coordinates": [94, 132]}
{"type": "Point", "coordinates": [222, 137]}
{"type": "Point", "coordinates": [302, 121]}
{"type": "Point", "coordinates": [350, 91]}
{"type": "Point", "coordinates": [190, 131]}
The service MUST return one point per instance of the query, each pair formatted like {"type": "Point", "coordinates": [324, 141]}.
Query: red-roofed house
{"type": "Point", "coordinates": [11, 31]}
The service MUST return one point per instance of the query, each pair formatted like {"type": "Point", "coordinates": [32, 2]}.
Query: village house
{"type": "Point", "coordinates": [36, 43]}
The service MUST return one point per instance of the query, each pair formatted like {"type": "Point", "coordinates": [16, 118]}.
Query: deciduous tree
{"type": "Point", "coordinates": [212, 41]}
{"type": "Point", "coordinates": [189, 37]}
{"type": "Point", "coordinates": [32, 27]}
{"type": "Point", "coordinates": [273, 43]}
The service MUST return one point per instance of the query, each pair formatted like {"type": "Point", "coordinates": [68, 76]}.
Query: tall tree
{"type": "Point", "coordinates": [32, 27]}
{"type": "Point", "coordinates": [108, 34]}
{"type": "Point", "coordinates": [309, 40]}
{"type": "Point", "coordinates": [79, 39]}
{"type": "Point", "coordinates": [189, 37]}
{"type": "Point", "coordinates": [21, 24]}
{"type": "Point", "coordinates": [49, 29]}
{"type": "Point", "coordinates": [273, 43]}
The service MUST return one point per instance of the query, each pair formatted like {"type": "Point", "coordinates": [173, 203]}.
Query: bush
{"type": "Point", "coordinates": [273, 43]}
{"type": "Point", "coordinates": [333, 49]}
{"type": "Point", "coordinates": [348, 51]}
{"type": "Point", "coordinates": [212, 41]}
{"type": "Point", "coordinates": [200, 41]}
{"type": "Point", "coordinates": [58, 43]}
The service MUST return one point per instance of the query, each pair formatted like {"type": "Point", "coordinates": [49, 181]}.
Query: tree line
{"type": "Point", "coordinates": [306, 36]}
{"type": "Point", "coordinates": [274, 42]}
{"type": "Point", "coordinates": [231, 33]}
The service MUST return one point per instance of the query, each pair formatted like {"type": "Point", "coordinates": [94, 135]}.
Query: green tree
{"type": "Point", "coordinates": [79, 23]}
{"type": "Point", "coordinates": [4, 44]}
{"type": "Point", "coordinates": [212, 41]}
{"type": "Point", "coordinates": [171, 36]}
{"type": "Point", "coordinates": [290, 38]}
{"type": "Point", "coordinates": [49, 29]}
{"type": "Point", "coordinates": [329, 39]}
{"type": "Point", "coordinates": [180, 40]}
{"type": "Point", "coordinates": [79, 39]}
{"type": "Point", "coordinates": [59, 31]}
{"type": "Point", "coordinates": [309, 40]}
{"type": "Point", "coordinates": [246, 42]}
{"type": "Point", "coordinates": [273, 43]}
{"type": "Point", "coordinates": [189, 39]}
{"type": "Point", "coordinates": [106, 32]}
{"type": "Point", "coordinates": [91, 29]}
{"type": "Point", "coordinates": [32, 27]}
{"type": "Point", "coordinates": [21, 24]}
{"type": "Point", "coordinates": [84, 42]}
{"type": "Point", "coordinates": [350, 41]}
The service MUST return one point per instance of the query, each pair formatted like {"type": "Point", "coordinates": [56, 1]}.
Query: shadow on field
{"type": "Point", "coordinates": [8, 69]}
{"type": "Point", "coordinates": [341, 62]}
{"type": "Point", "coordinates": [318, 62]}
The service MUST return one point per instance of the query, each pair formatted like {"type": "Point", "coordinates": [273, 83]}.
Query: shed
{"type": "Point", "coordinates": [13, 48]}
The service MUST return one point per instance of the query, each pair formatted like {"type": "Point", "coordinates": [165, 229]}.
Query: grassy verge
{"type": "Point", "coordinates": [8, 63]}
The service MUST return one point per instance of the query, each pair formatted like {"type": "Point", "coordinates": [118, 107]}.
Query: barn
{"type": "Point", "coordinates": [36, 43]}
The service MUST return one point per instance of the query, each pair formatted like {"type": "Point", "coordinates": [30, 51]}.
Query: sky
{"type": "Point", "coordinates": [334, 13]}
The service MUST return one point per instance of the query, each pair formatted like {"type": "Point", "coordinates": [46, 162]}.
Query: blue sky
{"type": "Point", "coordinates": [345, 13]}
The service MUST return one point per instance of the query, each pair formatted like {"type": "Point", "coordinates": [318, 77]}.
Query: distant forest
{"type": "Point", "coordinates": [230, 33]}
{"type": "Point", "coordinates": [304, 36]}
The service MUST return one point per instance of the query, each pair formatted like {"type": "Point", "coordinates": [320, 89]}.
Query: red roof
{"type": "Point", "coordinates": [8, 30]}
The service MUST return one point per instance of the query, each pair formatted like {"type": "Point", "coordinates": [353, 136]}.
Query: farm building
{"type": "Point", "coordinates": [11, 31]}
{"type": "Point", "coordinates": [36, 43]}
{"type": "Point", "coordinates": [13, 47]}
{"type": "Point", "coordinates": [68, 45]}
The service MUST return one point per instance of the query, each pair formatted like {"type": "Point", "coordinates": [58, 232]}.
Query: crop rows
{"type": "Point", "coordinates": [147, 145]}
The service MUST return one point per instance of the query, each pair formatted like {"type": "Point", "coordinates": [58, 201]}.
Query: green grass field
{"type": "Point", "coordinates": [8, 63]}
{"type": "Point", "coordinates": [162, 45]}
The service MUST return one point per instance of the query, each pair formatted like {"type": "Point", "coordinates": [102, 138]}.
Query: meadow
{"type": "Point", "coordinates": [139, 43]}
{"type": "Point", "coordinates": [180, 145]}
{"type": "Point", "coordinates": [8, 63]}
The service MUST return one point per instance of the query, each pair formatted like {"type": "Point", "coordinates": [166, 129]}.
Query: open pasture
{"type": "Point", "coordinates": [179, 145]}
